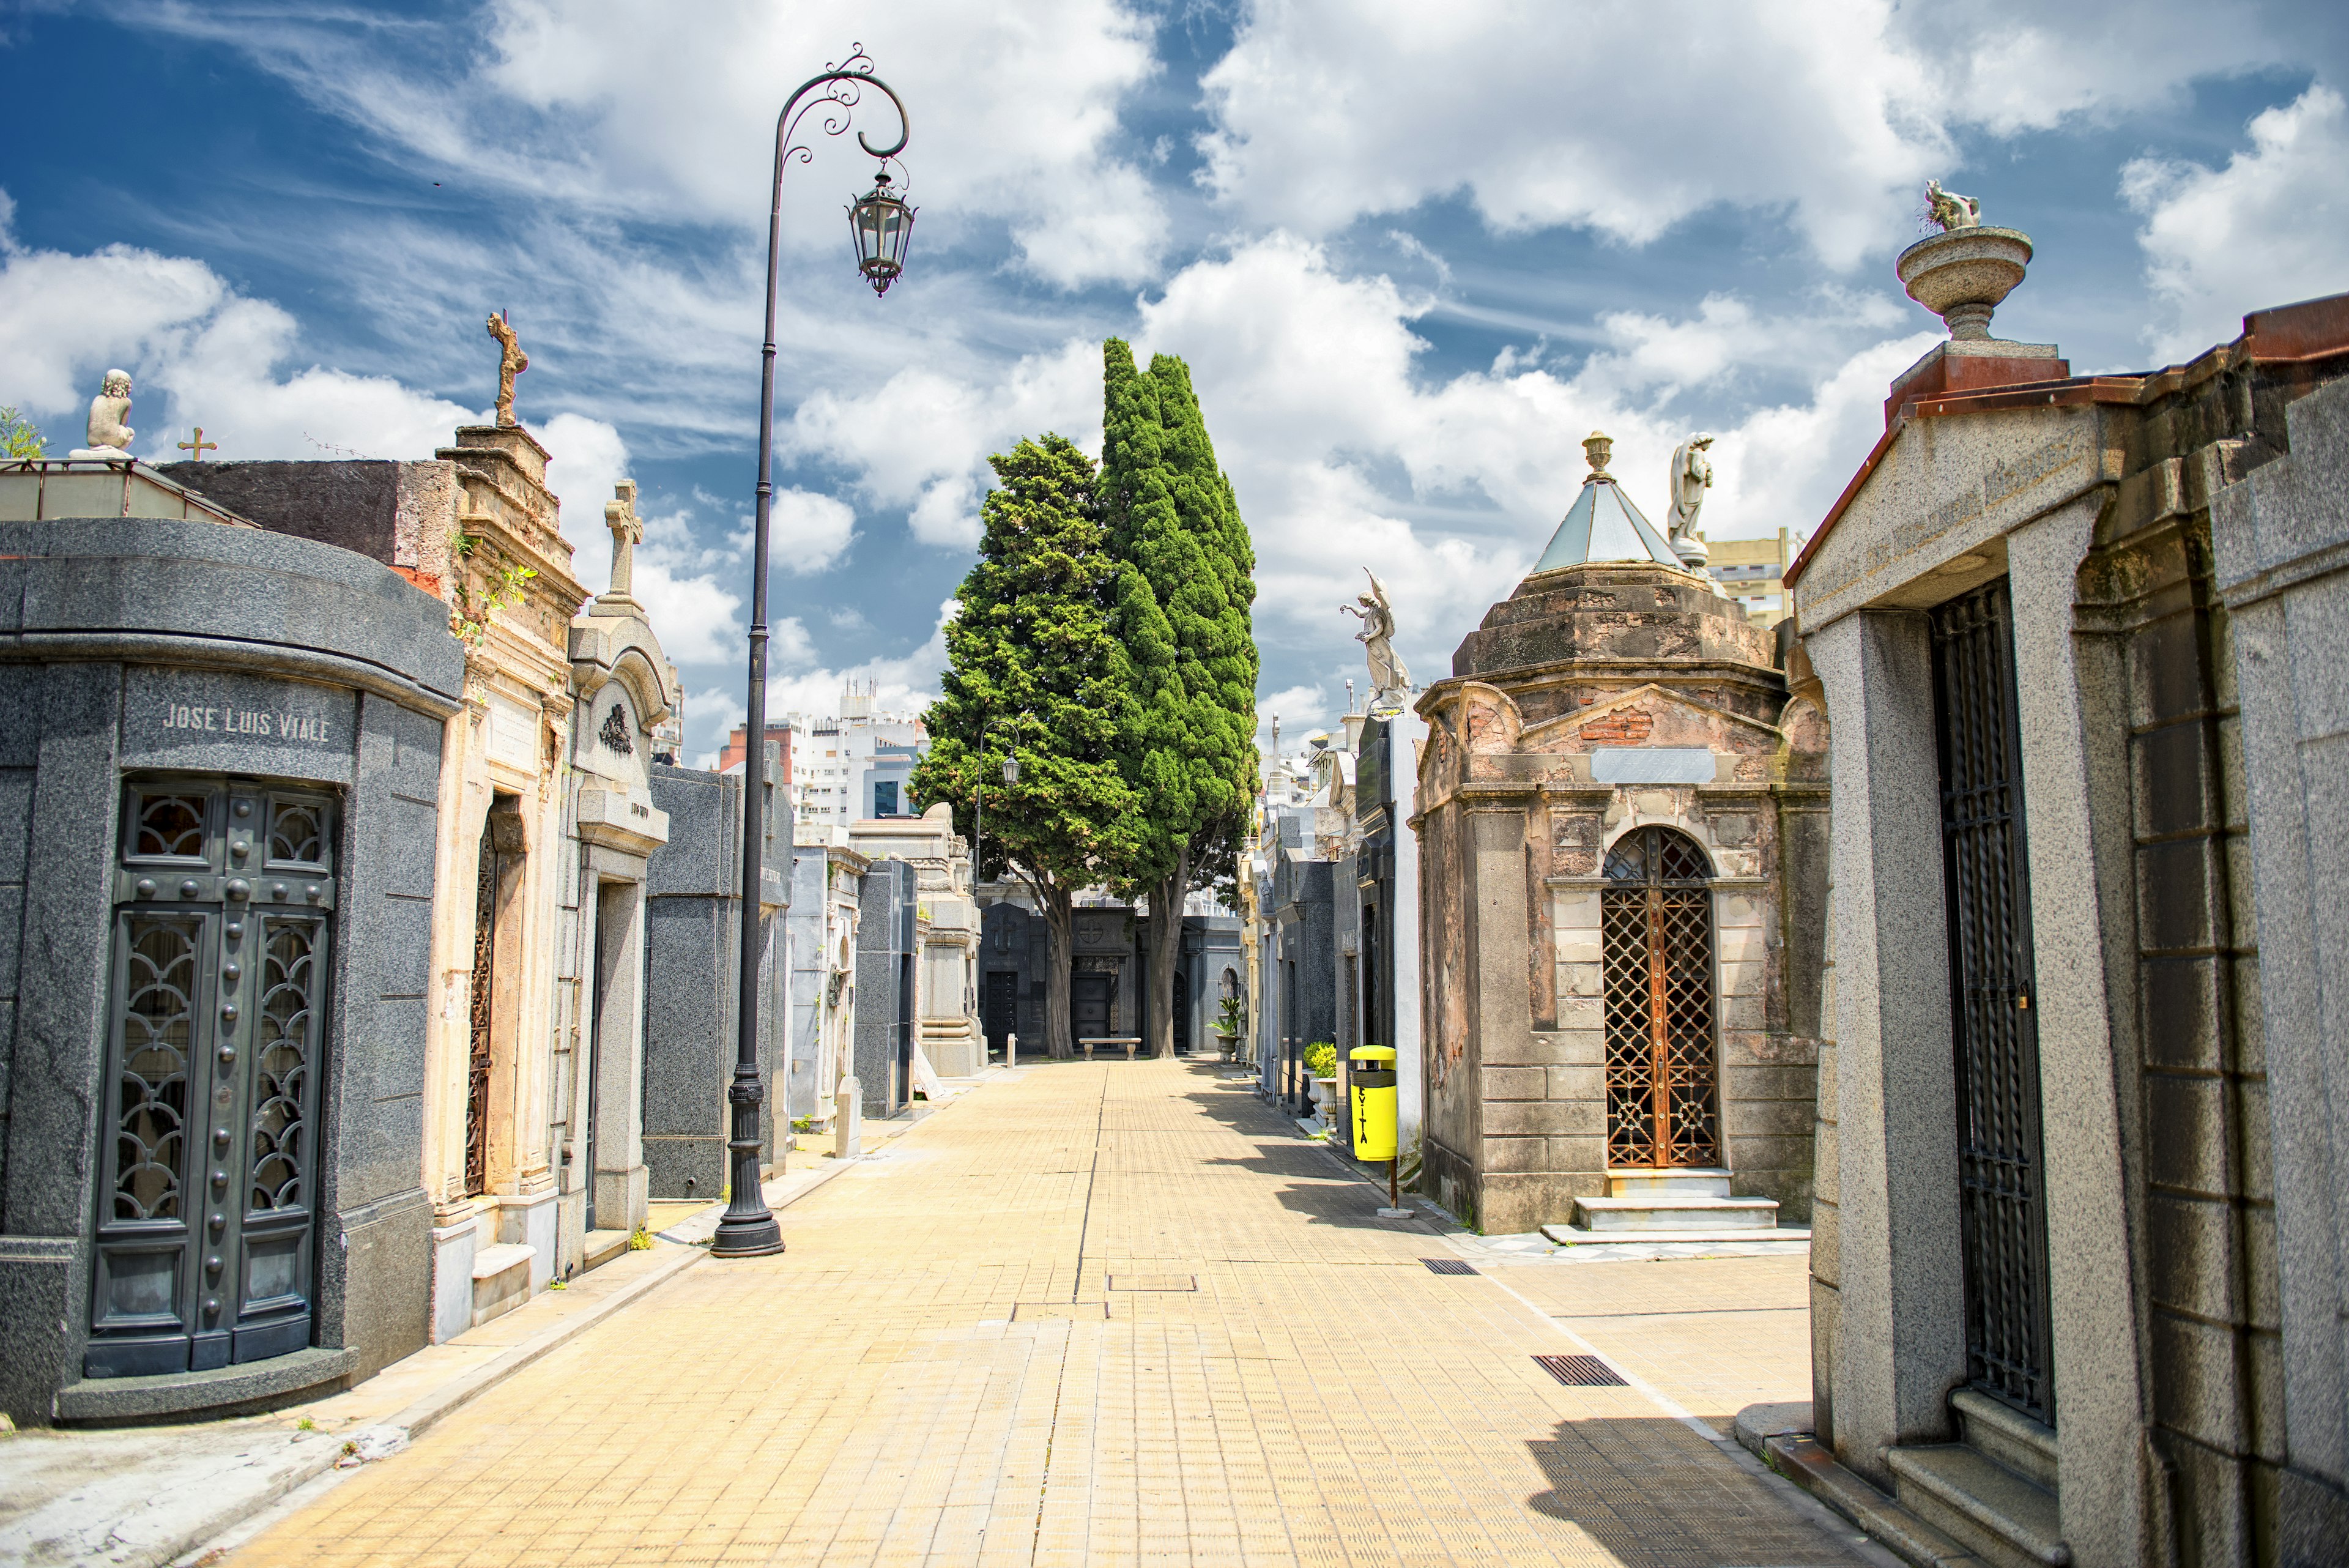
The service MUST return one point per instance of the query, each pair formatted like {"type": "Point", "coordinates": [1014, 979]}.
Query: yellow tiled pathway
{"type": "Point", "coordinates": [987, 1347]}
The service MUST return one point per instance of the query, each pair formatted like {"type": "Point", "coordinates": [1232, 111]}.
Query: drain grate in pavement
{"type": "Point", "coordinates": [1153, 1281]}
{"type": "Point", "coordinates": [1448, 1266]}
{"type": "Point", "coordinates": [1581, 1371]}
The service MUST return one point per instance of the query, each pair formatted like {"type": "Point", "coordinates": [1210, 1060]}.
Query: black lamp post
{"type": "Point", "coordinates": [881, 224]}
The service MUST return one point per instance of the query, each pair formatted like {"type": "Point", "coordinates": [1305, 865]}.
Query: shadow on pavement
{"type": "Point", "coordinates": [1693, 1509]}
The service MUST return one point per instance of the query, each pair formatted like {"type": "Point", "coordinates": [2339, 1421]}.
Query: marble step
{"type": "Point", "coordinates": [500, 1280]}
{"type": "Point", "coordinates": [1675, 1211]}
{"type": "Point", "coordinates": [1697, 1180]}
{"type": "Point", "coordinates": [602, 1247]}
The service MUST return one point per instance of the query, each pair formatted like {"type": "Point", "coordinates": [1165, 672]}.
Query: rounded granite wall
{"type": "Point", "coordinates": [220, 752]}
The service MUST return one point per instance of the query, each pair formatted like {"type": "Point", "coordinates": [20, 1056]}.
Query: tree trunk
{"type": "Point", "coordinates": [1165, 950]}
{"type": "Point", "coordinates": [1061, 920]}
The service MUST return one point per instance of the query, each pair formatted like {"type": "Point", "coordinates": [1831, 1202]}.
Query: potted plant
{"type": "Point", "coordinates": [1321, 1066]}
{"type": "Point", "coordinates": [1230, 1023]}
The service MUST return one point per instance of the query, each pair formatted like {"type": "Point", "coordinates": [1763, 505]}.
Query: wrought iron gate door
{"type": "Point", "coordinates": [2002, 1197]}
{"type": "Point", "coordinates": [208, 1187]}
{"type": "Point", "coordinates": [1656, 920]}
{"type": "Point", "coordinates": [480, 1055]}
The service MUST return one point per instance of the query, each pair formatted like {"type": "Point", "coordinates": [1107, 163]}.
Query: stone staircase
{"type": "Point", "coordinates": [1993, 1492]}
{"type": "Point", "coordinates": [1692, 1205]}
{"type": "Point", "coordinates": [1989, 1500]}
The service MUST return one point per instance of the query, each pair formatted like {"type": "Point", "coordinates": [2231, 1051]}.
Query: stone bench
{"type": "Point", "coordinates": [1128, 1041]}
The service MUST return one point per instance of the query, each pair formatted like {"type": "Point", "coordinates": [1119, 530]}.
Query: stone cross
{"type": "Point", "coordinates": [512, 362]}
{"type": "Point", "coordinates": [198, 447]}
{"type": "Point", "coordinates": [627, 533]}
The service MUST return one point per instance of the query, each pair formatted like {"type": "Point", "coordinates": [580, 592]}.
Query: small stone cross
{"type": "Point", "coordinates": [198, 446]}
{"type": "Point", "coordinates": [627, 533]}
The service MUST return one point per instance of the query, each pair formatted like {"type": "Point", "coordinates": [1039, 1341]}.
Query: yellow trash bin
{"type": "Point", "coordinates": [1370, 1099]}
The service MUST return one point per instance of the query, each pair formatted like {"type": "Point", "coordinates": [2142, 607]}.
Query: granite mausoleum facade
{"type": "Point", "coordinates": [826, 879]}
{"type": "Point", "coordinates": [1335, 876]}
{"type": "Point", "coordinates": [945, 993]}
{"type": "Point", "coordinates": [2078, 1277]}
{"type": "Point", "coordinates": [691, 965]}
{"type": "Point", "coordinates": [1621, 816]}
{"type": "Point", "coordinates": [221, 764]}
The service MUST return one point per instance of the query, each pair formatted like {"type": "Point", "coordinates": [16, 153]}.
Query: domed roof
{"type": "Point", "coordinates": [1603, 525]}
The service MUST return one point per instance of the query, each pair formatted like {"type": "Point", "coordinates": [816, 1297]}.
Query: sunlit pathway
{"type": "Point", "coordinates": [1107, 1313]}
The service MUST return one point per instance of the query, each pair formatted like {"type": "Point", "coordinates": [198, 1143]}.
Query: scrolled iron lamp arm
{"type": "Point", "coordinates": [749, 1229]}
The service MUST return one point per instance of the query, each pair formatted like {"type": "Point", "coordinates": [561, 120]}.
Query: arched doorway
{"type": "Point", "coordinates": [1663, 1088]}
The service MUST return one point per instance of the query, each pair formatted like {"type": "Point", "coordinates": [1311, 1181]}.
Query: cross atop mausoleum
{"type": "Point", "coordinates": [627, 533]}
{"type": "Point", "coordinates": [197, 448]}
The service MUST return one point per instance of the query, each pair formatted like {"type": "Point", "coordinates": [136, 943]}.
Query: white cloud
{"type": "Point", "coordinates": [907, 683]}
{"type": "Point", "coordinates": [921, 439]}
{"type": "Point", "coordinates": [1627, 118]}
{"type": "Point", "coordinates": [586, 459]}
{"type": "Point", "coordinates": [198, 353]}
{"type": "Point", "coordinates": [613, 106]}
{"type": "Point", "coordinates": [1342, 457]}
{"type": "Point", "coordinates": [809, 532]}
{"type": "Point", "coordinates": [2270, 228]}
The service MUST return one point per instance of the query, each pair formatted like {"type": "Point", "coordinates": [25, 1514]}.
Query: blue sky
{"type": "Point", "coordinates": [1413, 254]}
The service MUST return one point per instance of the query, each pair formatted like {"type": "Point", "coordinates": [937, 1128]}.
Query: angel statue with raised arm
{"type": "Point", "coordinates": [1390, 681]}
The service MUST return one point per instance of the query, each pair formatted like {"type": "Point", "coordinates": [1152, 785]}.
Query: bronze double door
{"type": "Point", "coordinates": [207, 1179]}
{"type": "Point", "coordinates": [1663, 1098]}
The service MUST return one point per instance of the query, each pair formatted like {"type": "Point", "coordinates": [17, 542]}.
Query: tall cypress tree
{"type": "Point", "coordinates": [1032, 645]}
{"type": "Point", "coordinates": [1186, 582]}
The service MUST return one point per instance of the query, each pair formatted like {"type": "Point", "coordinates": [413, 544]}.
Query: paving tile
{"type": "Point", "coordinates": [926, 1376]}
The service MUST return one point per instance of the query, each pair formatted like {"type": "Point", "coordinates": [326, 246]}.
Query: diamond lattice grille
{"type": "Point", "coordinates": [1656, 940]}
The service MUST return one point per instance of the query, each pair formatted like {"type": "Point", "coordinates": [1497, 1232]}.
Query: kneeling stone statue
{"type": "Point", "coordinates": [108, 436]}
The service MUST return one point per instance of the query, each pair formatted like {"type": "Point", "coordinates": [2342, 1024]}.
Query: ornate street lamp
{"type": "Point", "coordinates": [879, 222]}
{"type": "Point", "coordinates": [748, 1229]}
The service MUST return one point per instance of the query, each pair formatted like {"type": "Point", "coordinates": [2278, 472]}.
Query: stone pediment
{"type": "Point", "coordinates": [623, 648]}
{"type": "Point", "coordinates": [1939, 487]}
{"type": "Point", "coordinates": [1651, 715]}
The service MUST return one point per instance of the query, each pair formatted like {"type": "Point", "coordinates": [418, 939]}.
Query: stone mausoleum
{"type": "Point", "coordinates": [219, 784]}
{"type": "Point", "coordinates": [2084, 1144]}
{"type": "Point", "coordinates": [1622, 822]}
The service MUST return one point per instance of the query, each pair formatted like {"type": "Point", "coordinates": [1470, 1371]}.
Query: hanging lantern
{"type": "Point", "coordinates": [881, 224]}
{"type": "Point", "coordinates": [1011, 768]}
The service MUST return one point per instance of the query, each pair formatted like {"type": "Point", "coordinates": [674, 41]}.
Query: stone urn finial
{"type": "Point", "coordinates": [1597, 448]}
{"type": "Point", "coordinates": [1962, 274]}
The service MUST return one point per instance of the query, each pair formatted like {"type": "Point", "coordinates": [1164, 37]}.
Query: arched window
{"type": "Point", "coordinates": [1662, 1099]}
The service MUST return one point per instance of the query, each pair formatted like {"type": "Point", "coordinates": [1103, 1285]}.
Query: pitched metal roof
{"type": "Point", "coordinates": [1603, 525]}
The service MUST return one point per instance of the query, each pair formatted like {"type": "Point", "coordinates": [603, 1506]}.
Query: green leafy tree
{"type": "Point", "coordinates": [1032, 648]}
{"type": "Point", "coordinates": [1186, 582]}
{"type": "Point", "coordinates": [19, 440]}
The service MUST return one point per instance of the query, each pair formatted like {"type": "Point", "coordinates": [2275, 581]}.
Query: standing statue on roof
{"type": "Point", "coordinates": [1692, 477]}
{"type": "Point", "coordinates": [1390, 681]}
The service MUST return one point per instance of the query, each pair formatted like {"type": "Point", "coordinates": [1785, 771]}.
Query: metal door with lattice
{"type": "Point", "coordinates": [481, 1054]}
{"type": "Point", "coordinates": [1662, 1072]}
{"type": "Point", "coordinates": [2002, 1207]}
{"type": "Point", "coordinates": [223, 895]}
